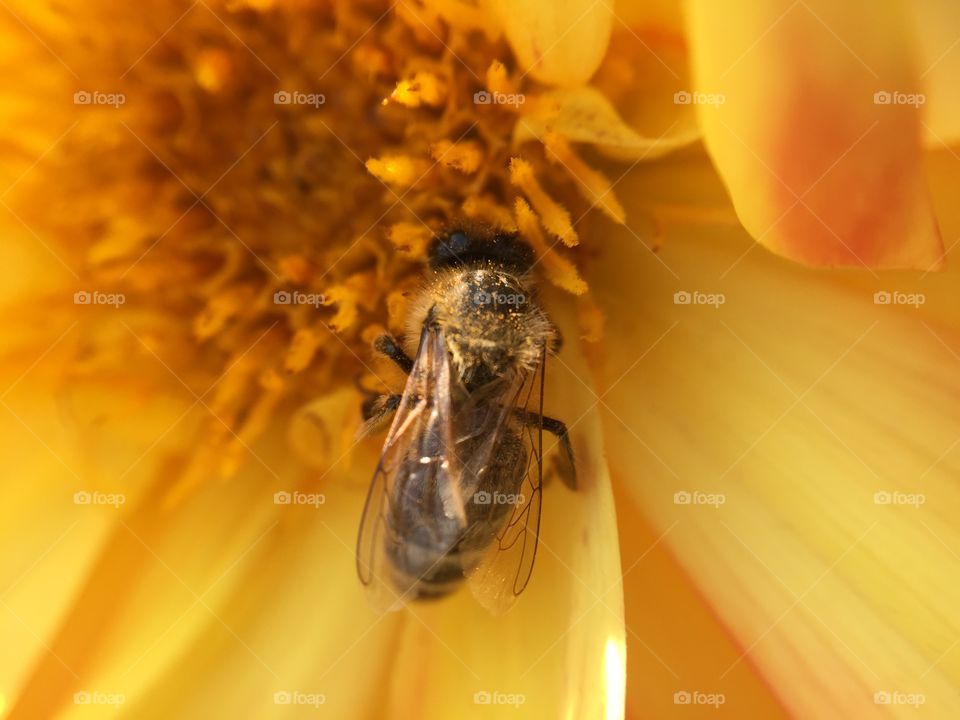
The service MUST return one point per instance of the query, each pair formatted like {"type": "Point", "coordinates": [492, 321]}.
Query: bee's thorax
{"type": "Point", "coordinates": [490, 318]}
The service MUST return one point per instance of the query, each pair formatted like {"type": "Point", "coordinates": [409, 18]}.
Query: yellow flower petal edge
{"type": "Point", "coordinates": [560, 42]}
{"type": "Point", "coordinates": [809, 112]}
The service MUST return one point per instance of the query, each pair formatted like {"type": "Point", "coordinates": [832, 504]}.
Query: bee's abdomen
{"type": "Point", "coordinates": [431, 552]}
{"type": "Point", "coordinates": [427, 573]}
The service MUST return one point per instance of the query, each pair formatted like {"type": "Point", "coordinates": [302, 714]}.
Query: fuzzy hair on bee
{"type": "Point", "coordinates": [462, 302]}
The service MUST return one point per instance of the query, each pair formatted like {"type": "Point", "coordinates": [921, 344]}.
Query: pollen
{"type": "Point", "coordinates": [214, 69]}
{"type": "Point", "coordinates": [559, 270]}
{"type": "Point", "coordinates": [424, 88]}
{"type": "Point", "coordinates": [498, 81]}
{"type": "Point", "coordinates": [593, 184]}
{"type": "Point", "coordinates": [399, 170]}
{"type": "Point", "coordinates": [555, 217]}
{"type": "Point", "coordinates": [488, 210]}
{"type": "Point", "coordinates": [266, 207]}
{"type": "Point", "coordinates": [464, 156]}
{"type": "Point", "coordinates": [410, 238]}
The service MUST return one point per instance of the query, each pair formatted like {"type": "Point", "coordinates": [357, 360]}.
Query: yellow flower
{"type": "Point", "coordinates": [212, 208]}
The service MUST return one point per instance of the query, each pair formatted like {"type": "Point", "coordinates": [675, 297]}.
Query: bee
{"type": "Point", "coordinates": [456, 496]}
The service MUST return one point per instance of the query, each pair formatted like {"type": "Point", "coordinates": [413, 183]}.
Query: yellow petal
{"type": "Point", "coordinates": [795, 401]}
{"type": "Point", "coordinates": [674, 641]}
{"type": "Point", "coordinates": [584, 114]}
{"type": "Point", "coordinates": [646, 63]}
{"type": "Point", "coordinates": [559, 43]}
{"type": "Point", "coordinates": [938, 26]}
{"type": "Point", "coordinates": [821, 168]}
{"type": "Point", "coordinates": [216, 606]}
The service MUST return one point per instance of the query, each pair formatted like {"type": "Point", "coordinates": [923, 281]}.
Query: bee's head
{"type": "Point", "coordinates": [465, 243]}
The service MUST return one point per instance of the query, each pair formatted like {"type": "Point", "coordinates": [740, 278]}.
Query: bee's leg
{"type": "Point", "coordinates": [556, 344]}
{"type": "Point", "coordinates": [557, 427]}
{"type": "Point", "coordinates": [377, 407]}
{"type": "Point", "coordinates": [386, 345]}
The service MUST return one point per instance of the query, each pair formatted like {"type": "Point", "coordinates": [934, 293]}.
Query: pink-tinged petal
{"type": "Point", "coordinates": [560, 42]}
{"type": "Point", "coordinates": [811, 114]}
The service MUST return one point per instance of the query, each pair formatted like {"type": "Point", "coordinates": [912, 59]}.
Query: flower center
{"type": "Point", "coordinates": [263, 195]}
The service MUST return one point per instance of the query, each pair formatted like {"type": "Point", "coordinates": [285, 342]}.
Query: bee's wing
{"type": "Point", "coordinates": [421, 428]}
{"type": "Point", "coordinates": [504, 570]}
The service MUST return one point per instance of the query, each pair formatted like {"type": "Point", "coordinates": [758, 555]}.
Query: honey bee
{"type": "Point", "coordinates": [457, 493]}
